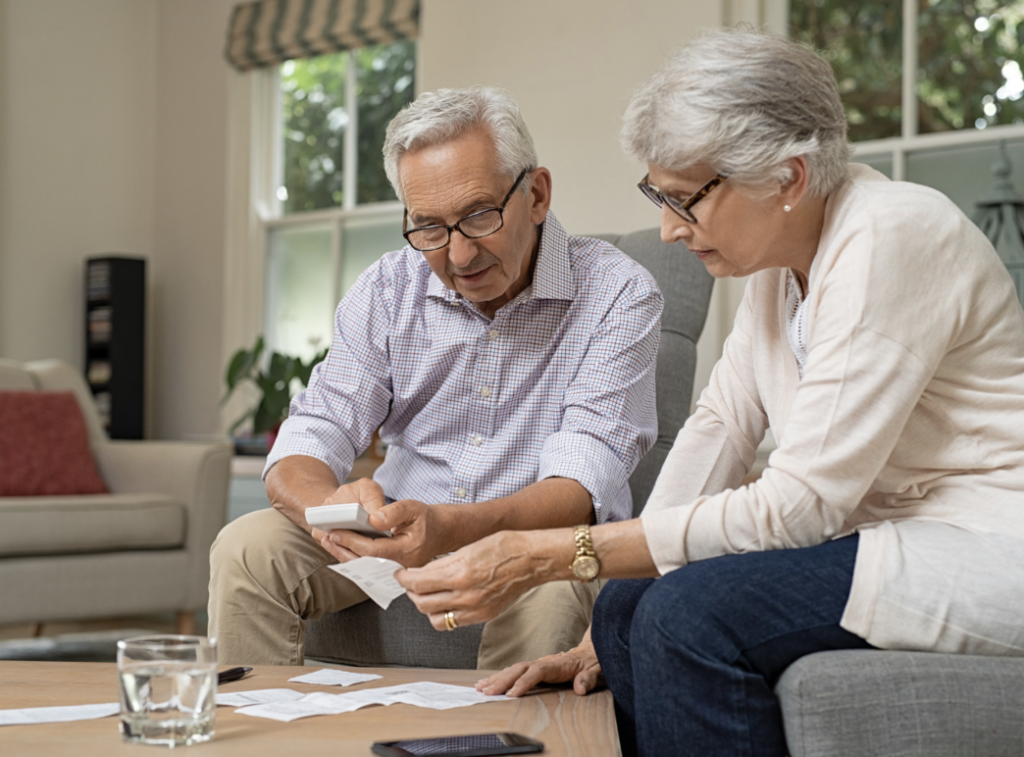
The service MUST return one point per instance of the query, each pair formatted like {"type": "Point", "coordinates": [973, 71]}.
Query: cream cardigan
{"type": "Point", "coordinates": [907, 426]}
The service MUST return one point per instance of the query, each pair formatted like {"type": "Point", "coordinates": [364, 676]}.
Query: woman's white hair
{"type": "Point", "coordinates": [742, 102]}
{"type": "Point", "coordinates": [437, 117]}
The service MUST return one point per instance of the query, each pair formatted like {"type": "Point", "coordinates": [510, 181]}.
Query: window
{"type": "Point", "coordinates": [930, 86]}
{"type": "Point", "coordinates": [330, 210]}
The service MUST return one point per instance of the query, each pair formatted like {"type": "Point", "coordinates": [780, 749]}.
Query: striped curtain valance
{"type": "Point", "coordinates": [267, 32]}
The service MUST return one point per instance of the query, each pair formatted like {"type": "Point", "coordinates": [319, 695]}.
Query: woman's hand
{"type": "Point", "coordinates": [578, 665]}
{"type": "Point", "coordinates": [480, 580]}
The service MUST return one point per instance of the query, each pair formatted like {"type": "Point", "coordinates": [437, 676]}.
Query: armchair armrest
{"type": "Point", "coordinates": [195, 474]}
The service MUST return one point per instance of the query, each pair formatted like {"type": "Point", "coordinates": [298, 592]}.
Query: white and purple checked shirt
{"type": "Point", "coordinates": [559, 383]}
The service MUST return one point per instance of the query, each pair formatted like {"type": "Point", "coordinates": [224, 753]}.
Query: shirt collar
{"type": "Point", "coordinates": [552, 274]}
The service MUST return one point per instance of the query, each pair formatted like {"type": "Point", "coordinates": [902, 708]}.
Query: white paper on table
{"type": "Point", "coordinates": [317, 703]}
{"type": "Point", "coordinates": [30, 715]}
{"type": "Point", "coordinates": [331, 677]}
{"type": "Point", "coordinates": [441, 696]}
{"type": "Point", "coordinates": [256, 696]}
{"type": "Point", "coordinates": [375, 576]}
{"type": "Point", "coordinates": [435, 696]}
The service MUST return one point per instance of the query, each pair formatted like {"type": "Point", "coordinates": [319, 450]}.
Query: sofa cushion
{"type": "Point", "coordinates": [44, 446]}
{"type": "Point", "coordinates": [903, 704]}
{"type": "Point", "coordinates": [91, 523]}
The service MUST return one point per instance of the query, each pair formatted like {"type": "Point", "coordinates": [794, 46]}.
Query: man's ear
{"type": "Point", "coordinates": [794, 186]}
{"type": "Point", "coordinates": [539, 196]}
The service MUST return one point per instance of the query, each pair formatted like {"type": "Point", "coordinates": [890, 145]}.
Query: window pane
{"type": "Point", "coordinates": [315, 119]}
{"type": "Point", "coordinates": [364, 241]}
{"type": "Point", "coordinates": [385, 79]}
{"type": "Point", "coordinates": [964, 174]}
{"type": "Point", "coordinates": [863, 41]}
{"type": "Point", "coordinates": [969, 68]}
{"type": "Point", "coordinates": [300, 290]}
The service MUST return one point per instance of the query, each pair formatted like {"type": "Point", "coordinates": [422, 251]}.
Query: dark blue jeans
{"type": "Point", "coordinates": [692, 658]}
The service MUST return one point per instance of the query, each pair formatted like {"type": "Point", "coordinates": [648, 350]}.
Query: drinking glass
{"type": "Point", "coordinates": [168, 688]}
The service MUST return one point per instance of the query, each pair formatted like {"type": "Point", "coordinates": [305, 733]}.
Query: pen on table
{"type": "Point", "coordinates": [231, 674]}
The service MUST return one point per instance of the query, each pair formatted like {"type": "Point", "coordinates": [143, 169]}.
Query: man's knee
{"type": "Point", "coordinates": [258, 547]}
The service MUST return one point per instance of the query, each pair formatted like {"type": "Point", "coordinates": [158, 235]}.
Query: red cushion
{"type": "Point", "coordinates": [44, 446]}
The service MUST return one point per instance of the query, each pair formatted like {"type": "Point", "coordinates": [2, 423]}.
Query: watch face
{"type": "Point", "coordinates": [586, 568]}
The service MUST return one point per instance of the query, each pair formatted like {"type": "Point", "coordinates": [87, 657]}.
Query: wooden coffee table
{"type": "Point", "coordinates": [567, 724]}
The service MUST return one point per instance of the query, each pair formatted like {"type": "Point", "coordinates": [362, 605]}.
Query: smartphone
{"type": "Point", "coordinates": [350, 516]}
{"type": "Point", "coordinates": [478, 745]}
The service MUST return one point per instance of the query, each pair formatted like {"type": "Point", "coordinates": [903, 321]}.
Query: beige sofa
{"type": "Point", "coordinates": [142, 548]}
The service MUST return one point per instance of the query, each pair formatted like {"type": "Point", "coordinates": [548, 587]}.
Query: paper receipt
{"type": "Point", "coordinates": [375, 576]}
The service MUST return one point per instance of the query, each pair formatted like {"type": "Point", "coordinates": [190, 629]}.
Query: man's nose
{"type": "Point", "coordinates": [673, 227]}
{"type": "Point", "coordinates": [461, 250]}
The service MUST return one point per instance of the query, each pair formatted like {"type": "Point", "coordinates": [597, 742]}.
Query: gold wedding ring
{"type": "Point", "coordinates": [449, 620]}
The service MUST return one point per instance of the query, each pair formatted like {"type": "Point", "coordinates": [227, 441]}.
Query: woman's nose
{"type": "Point", "coordinates": [673, 227]}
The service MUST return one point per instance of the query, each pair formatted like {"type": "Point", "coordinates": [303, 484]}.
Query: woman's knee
{"type": "Point", "coordinates": [695, 606]}
{"type": "Point", "coordinates": [614, 608]}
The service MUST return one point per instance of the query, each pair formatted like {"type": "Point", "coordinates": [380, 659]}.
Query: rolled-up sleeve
{"type": "Point", "coordinates": [609, 414]}
{"type": "Point", "coordinates": [349, 393]}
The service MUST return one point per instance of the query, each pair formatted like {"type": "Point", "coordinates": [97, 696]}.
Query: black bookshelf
{"type": "Point", "coordinates": [115, 329]}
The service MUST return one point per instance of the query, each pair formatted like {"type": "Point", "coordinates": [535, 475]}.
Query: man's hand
{"type": "Point", "coordinates": [365, 492]}
{"type": "Point", "coordinates": [419, 533]}
{"type": "Point", "coordinates": [578, 665]}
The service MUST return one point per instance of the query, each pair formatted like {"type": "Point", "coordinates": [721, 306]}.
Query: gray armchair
{"type": "Point", "coordinates": [366, 635]}
{"type": "Point", "coordinates": [141, 548]}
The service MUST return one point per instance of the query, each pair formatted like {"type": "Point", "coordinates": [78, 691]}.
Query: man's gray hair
{"type": "Point", "coordinates": [437, 117]}
{"type": "Point", "coordinates": [742, 102]}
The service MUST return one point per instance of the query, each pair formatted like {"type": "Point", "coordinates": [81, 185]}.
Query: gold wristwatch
{"type": "Point", "coordinates": [586, 566]}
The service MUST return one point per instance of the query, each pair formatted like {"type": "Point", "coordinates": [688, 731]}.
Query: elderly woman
{"type": "Point", "coordinates": [881, 340]}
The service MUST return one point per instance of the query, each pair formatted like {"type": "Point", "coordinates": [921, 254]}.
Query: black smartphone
{"type": "Point", "coordinates": [478, 745]}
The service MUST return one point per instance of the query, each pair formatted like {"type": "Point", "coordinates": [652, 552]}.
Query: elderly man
{"type": "Point", "coordinates": [509, 367]}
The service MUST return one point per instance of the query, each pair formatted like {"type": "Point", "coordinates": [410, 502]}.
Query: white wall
{"type": "Point", "coordinates": [76, 159]}
{"type": "Point", "coordinates": [190, 221]}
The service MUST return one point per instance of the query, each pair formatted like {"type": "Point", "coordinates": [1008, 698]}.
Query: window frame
{"type": "Point", "coordinates": [254, 172]}
{"type": "Point", "coordinates": [272, 215]}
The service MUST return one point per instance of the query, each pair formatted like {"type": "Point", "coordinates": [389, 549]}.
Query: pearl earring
{"type": "Point", "coordinates": [787, 208]}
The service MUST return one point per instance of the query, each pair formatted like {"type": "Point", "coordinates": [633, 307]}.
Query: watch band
{"type": "Point", "coordinates": [585, 566]}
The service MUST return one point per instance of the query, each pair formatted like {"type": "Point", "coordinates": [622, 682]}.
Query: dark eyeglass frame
{"type": "Point", "coordinates": [457, 226]}
{"type": "Point", "coordinates": [680, 207]}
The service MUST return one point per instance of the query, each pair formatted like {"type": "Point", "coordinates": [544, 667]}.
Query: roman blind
{"type": "Point", "coordinates": [268, 32]}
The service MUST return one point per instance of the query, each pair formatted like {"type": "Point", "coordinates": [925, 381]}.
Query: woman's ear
{"type": "Point", "coordinates": [795, 180]}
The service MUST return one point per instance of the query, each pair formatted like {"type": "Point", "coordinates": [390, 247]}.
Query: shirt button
{"type": "Point", "coordinates": [477, 440]}
{"type": "Point", "coordinates": [493, 333]}
{"type": "Point", "coordinates": [460, 493]}
{"type": "Point", "coordinates": [485, 391]}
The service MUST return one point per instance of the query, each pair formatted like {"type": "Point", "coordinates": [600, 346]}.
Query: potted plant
{"type": "Point", "coordinates": [275, 379]}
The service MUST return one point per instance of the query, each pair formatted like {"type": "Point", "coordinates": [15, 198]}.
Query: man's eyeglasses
{"type": "Point", "coordinates": [483, 223]}
{"type": "Point", "coordinates": [680, 207]}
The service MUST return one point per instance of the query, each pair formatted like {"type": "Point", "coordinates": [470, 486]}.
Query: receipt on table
{"type": "Point", "coordinates": [257, 696]}
{"type": "Point", "coordinates": [435, 696]}
{"type": "Point", "coordinates": [375, 576]}
{"type": "Point", "coordinates": [331, 677]}
{"type": "Point", "coordinates": [30, 715]}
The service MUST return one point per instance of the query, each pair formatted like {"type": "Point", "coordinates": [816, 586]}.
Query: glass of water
{"type": "Point", "coordinates": [168, 689]}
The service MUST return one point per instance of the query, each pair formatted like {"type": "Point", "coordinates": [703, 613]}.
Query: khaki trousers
{"type": "Point", "coordinates": [268, 578]}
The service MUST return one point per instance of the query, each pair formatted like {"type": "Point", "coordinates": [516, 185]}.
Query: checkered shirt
{"type": "Point", "coordinates": [559, 383]}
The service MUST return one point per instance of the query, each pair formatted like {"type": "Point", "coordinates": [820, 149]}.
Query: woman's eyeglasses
{"type": "Point", "coordinates": [680, 207]}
